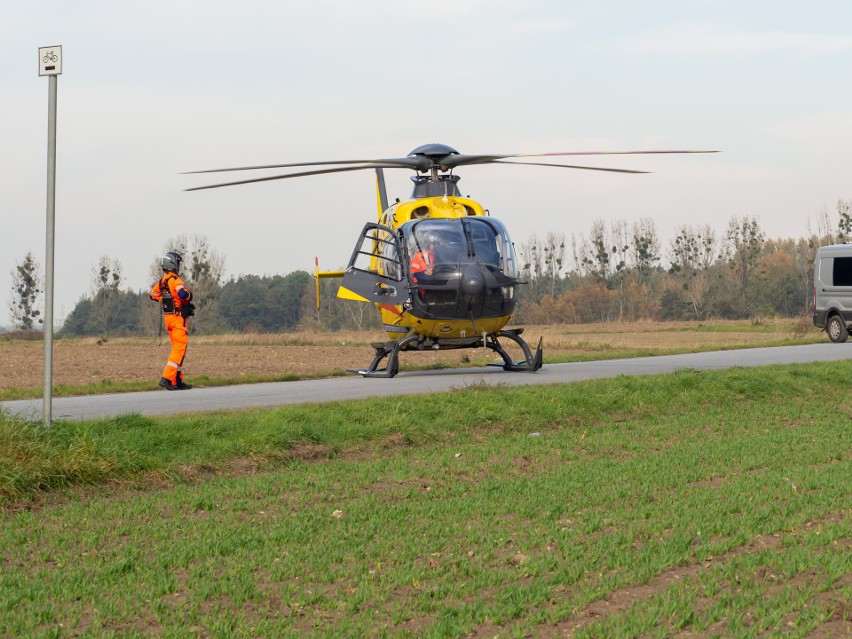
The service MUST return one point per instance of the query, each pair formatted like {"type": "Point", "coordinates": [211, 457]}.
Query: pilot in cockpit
{"type": "Point", "coordinates": [423, 260]}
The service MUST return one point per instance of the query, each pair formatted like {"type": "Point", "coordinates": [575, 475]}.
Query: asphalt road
{"type": "Point", "coordinates": [161, 402]}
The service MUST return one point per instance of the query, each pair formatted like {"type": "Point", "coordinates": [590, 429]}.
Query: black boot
{"type": "Point", "coordinates": [180, 383]}
{"type": "Point", "coordinates": [166, 383]}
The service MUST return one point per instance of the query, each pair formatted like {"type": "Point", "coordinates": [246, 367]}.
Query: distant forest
{"type": "Point", "coordinates": [619, 271]}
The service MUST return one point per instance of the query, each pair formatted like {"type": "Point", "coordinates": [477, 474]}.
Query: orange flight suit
{"type": "Point", "coordinates": [422, 262]}
{"type": "Point", "coordinates": [176, 325]}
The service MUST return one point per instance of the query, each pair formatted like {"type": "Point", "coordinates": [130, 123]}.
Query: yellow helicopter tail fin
{"type": "Point", "coordinates": [318, 275]}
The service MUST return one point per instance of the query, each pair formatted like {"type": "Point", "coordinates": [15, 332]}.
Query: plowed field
{"type": "Point", "coordinates": [86, 361]}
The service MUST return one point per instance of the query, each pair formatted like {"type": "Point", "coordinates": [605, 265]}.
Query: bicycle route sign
{"type": "Point", "coordinates": [50, 60]}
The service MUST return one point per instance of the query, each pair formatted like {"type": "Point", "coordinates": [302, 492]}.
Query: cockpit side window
{"type": "Point", "coordinates": [492, 245]}
{"type": "Point", "coordinates": [389, 263]}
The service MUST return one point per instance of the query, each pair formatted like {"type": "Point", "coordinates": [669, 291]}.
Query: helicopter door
{"type": "Point", "coordinates": [375, 273]}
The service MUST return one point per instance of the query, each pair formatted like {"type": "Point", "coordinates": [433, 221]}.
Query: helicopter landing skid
{"type": "Point", "coordinates": [391, 350]}
{"type": "Point", "coordinates": [529, 364]}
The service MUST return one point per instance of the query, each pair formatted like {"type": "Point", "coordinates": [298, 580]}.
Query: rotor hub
{"type": "Point", "coordinates": [433, 151]}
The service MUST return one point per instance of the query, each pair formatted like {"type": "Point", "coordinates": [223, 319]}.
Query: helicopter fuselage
{"type": "Point", "coordinates": [438, 267]}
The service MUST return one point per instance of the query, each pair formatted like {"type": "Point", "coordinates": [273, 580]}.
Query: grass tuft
{"type": "Point", "coordinates": [34, 459]}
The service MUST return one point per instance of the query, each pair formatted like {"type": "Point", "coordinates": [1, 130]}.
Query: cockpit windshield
{"type": "Point", "coordinates": [434, 244]}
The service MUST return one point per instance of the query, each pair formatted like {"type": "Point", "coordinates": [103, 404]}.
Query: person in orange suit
{"type": "Point", "coordinates": [171, 292]}
{"type": "Point", "coordinates": [423, 261]}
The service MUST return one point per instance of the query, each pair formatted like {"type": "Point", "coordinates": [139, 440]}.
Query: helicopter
{"type": "Point", "coordinates": [440, 269]}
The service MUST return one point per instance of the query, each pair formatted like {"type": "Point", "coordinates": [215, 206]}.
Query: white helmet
{"type": "Point", "coordinates": [171, 261]}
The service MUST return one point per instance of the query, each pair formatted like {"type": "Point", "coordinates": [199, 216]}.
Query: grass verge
{"type": "Point", "coordinates": [698, 503]}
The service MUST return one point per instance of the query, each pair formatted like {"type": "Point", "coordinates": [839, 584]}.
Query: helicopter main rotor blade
{"type": "Point", "coordinates": [404, 163]}
{"type": "Point", "coordinates": [382, 166]}
{"type": "Point", "coordinates": [569, 166]}
{"type": "Point", "coordinates": [292, 175]}
{"type": "Point", "coordinates": [424, 159]}
{"type": "Point", "coordinates": [452, 161]}
{"type": "Point", "coordinates": [425, 163]}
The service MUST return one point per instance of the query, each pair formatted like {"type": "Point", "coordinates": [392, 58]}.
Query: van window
{"type": "Point", "coordinates": [842, 271]}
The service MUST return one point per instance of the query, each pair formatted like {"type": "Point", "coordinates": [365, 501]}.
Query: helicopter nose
{"type": "Point", "coordinates": [472, 282]}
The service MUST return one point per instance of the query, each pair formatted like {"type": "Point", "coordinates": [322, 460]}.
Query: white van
{"type": "Point", "coordinates": [833, 290]}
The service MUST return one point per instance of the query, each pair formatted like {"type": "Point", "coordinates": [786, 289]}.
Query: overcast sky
{"type": "Point", "coordinates": [152, 89]}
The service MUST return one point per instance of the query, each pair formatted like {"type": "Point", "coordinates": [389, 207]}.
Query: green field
{"type": "Point", "coordinates": [698, 504]}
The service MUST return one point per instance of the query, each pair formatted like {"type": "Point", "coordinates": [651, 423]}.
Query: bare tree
{"type": "Point", "coordinates": [643, 257]}
{"type": "Point", "coordinates": [620, 250]}
{"type": "Point", "coordinates": [593, 257]}
{"type": "Point", "coordinates": [604, 256]}
{"type": "Point", "coordinates": [644, 249]}
{"type": "Point", "coordinates": [824, 233]}
{"type": "Point", "coordinates": [743, 246]}
{"type": "Point", "coordinates": [26, 292]}
{"type": "Point", "coordinates": [844, 222]}
{"type": "Point", "coordinates": [106, 301]}
{"type": "Point", "coordinates": [554, 259]}
{"type": "Point", "coordinates": [533, 267]}
{"type": "Point", "coordinates": [361, 315]}
{"type": "Point", "coordinates": [691, 253]}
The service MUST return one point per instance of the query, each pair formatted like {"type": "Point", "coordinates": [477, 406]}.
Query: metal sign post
{"type": "Point", "coordinates": [49, 64]}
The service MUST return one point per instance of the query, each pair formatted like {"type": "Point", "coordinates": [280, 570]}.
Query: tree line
{"type": "Point", "coordinates": [621, 272]}
{"type": "Point", "coordinates": [616, 272]}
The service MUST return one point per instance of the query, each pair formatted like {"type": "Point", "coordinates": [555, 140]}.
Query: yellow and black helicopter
{"type": "Point", "coordinates": [440, 269]}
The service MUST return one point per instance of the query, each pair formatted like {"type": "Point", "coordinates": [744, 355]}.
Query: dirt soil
{"type": "Point", "coordinates": [88, 361]}
{"type": "Point", "coordinates": [85, 361]}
